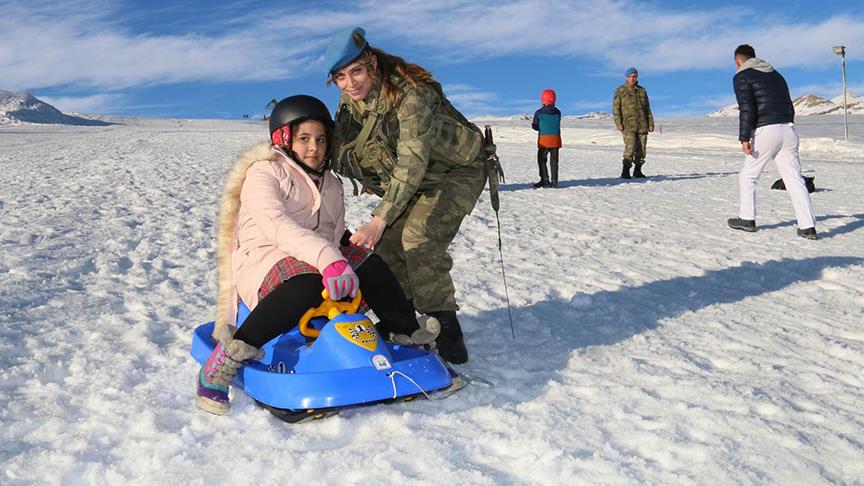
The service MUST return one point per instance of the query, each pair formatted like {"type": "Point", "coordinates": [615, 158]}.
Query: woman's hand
{"type": "Point", "coordinates": [368, 235]}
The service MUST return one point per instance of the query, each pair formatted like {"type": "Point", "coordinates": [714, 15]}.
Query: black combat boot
{"type": "Point", "coordinates": [637, 172]}
{"type": "Point", "coordinates": [542, 183]}
{"type": "Point", "coordinates": [625, 172]}
{"type": "Point", "coordinates": [450, 343]}
{"type": "Point", "coordinates": [809, 233]}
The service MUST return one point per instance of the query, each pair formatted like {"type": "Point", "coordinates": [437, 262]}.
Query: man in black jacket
{"type": "Point", "coordinates": [767, 132]}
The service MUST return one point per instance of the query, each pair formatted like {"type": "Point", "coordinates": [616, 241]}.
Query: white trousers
{"type": "Point", "coordinates": [779, 143]}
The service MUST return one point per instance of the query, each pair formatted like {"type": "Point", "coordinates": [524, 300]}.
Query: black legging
{"type": "Point", "coordinates": [281, 310]}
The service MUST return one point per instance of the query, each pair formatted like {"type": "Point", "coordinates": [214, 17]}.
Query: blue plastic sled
{"type": "Point", "coordinates": [347, 364]}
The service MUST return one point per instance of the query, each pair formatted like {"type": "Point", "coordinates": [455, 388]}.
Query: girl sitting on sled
{"type": "Point", "coordinates": [282, 241]}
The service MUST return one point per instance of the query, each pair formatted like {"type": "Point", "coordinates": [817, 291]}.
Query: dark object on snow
{"type": "Point", "coordinates": [637, 171]}
{"type": "Point", "coordinates": [298, 416]}
{"type": "Point", "coordinates": [748, 225]}
{"type": "Point", "coordinates": [808, 233]}
{"type": "Point", "coordinates": [625, 170]}
{"type": "Point", "coordinates": [808, 181]}
{"type": "Point", "coordinates": [542, 183]}
{"type": "Point", "coordinates": [451, 343]}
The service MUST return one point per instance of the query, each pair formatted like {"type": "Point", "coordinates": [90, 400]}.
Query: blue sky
{"type": "Point", "coordinates": [196, 59]}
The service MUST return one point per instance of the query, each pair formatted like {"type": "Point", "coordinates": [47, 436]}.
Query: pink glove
{"type": "Point", "coordinates": [340, 280]}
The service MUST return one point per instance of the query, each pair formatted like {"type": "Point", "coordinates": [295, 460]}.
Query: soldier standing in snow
{"type": "Point", "coordinates": [767, 132]}
{"type": "Point", "coordinates": [634, 120]}
{"type": "Point", "coordinates": [547, 123]}
{"type": "Point", "coordinates": [398, 134]}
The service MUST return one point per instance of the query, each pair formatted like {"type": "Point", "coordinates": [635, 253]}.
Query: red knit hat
{"type": "Point", "coordinates": [548, 97]}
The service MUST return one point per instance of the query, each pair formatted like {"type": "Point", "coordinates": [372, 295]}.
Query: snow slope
{"type": "Point", "coordinates": [654, 345]}
{"type": "Point", "coordinates": [18, 108]}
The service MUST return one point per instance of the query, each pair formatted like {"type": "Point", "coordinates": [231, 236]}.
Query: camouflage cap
{"type": "Point", "coordinates": [345, 47]}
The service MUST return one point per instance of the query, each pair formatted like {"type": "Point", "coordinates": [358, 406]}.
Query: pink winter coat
{"type": "Point", "coordinates": [272, 209]}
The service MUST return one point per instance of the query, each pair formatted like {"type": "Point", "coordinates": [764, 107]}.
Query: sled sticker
{"type": "Point", "coordinates": [361, 333]}
{"type": "Point", "coordinates": [380, 362]}
{"type": "Point", "coordinates": [279, 368]}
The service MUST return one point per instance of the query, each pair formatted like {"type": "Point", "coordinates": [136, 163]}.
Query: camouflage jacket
{"type": "Point", "coordinates": [412, 145]}
{"type": "Point", "coordinates": [631, 109]}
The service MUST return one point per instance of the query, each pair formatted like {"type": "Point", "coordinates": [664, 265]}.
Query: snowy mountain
{"type": "Point", "coordinates": [814, 105]}
{"type": "Point", "coordinates": [17, 108]}
{"type": "Point", "coordinates": [854, 103]}
{"type": "Point", "coordinates": [594, 115]}
{"type": "Point", "coordinates": [810, 105]}
{"type": "Point", "coordinates": [731, 110]}
{"type": "Point", "coordinates": [489, 119]}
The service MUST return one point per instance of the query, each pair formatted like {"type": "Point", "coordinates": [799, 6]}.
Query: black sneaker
{"type": "Point", "coordinates": [809, 233]}
{"type": "Point", "coordinates": [538, 185]}
{"type": "Point", "coordinates": [748, 225]}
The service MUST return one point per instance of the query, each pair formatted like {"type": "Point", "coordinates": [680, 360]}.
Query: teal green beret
{"type": "Point", "coordinates": [345, 47]}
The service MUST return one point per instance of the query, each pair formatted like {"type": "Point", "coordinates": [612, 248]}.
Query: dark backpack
{"type": "Point", "coordinates": [808, 181]}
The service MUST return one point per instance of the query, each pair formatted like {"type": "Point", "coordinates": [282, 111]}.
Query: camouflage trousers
{"type": "Point", "coordinates": [415, 245]}
{"type": "Point", "coordinates": [634, 145]}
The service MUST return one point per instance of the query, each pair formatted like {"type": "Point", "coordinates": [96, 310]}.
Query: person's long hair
{"type": "Point", "coordinates": [388, 64]}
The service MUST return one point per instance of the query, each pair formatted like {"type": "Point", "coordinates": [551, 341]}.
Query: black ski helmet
{"type": "Point", "coordinates": [295, 109]}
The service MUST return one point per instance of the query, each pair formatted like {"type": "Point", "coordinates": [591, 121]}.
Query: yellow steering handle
{"type": "Point", "coordinates": [329, 309]}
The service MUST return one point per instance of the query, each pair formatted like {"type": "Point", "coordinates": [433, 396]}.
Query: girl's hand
{"type": "Point", "coordinates": [368, 235]}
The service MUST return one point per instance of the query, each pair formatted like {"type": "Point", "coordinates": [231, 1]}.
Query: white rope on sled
{"type": "Point", "coordinates": [392, 376]}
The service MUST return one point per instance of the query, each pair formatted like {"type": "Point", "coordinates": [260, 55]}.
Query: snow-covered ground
{"type": "Point", "coordinates": [653, 344]}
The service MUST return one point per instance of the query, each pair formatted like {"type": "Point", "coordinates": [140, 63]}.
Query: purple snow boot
{"type": "Point", "coordinates": [217, 373]}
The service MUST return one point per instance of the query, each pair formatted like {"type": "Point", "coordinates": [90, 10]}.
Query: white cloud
{"type": "Point", "coordinates": [712, 102]}
{"type": "Point", "coordinates": [577, 107]}
{"type": "Point", "coordinates": [98, 103]}
{"type": "Point", "coordinates": [92, 50]}
{"type": "Point", "coordinates": [827, 90]}
{"type": "Point", "coordinates": [473, 101]}
{"type": "Point", "coordinates": [784, 45]}
{"type": "Point", "coordinates": [47, 44]}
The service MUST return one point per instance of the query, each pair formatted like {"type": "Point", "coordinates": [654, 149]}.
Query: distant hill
{"type": "Point", "coordinates": [486, 118]}
{"type": "Point", "coordinates": [810, 105]}
{"type": "Point", "coordinates": [594, 115]}
{"type": "Point", "coordinates": [17, 108]}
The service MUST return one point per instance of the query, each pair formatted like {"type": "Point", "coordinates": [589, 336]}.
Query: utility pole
{"type": "Point", "coordinates": [841, 51]}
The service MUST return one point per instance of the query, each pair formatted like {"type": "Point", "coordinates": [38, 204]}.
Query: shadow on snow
{"type": "Point", "coordinates": [614, 181]}
{"type": "Point", "coordinates": [846, 228]}
{"type": "Point", "coordinates": [547, 332]}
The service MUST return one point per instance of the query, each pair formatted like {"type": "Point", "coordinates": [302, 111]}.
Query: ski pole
{"type": "Point", "coordinates": [494, 170]}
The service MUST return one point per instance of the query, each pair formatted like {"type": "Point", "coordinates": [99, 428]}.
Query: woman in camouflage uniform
{"type": "Point", "coordinates": [399, 136]}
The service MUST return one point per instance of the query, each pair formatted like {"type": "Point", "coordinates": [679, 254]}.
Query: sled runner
{"type": "Point", "coordinates": [332, 360]}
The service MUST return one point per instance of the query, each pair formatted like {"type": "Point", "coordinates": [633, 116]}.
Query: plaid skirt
{"type": "Point", "coordinates": [289, 267]}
